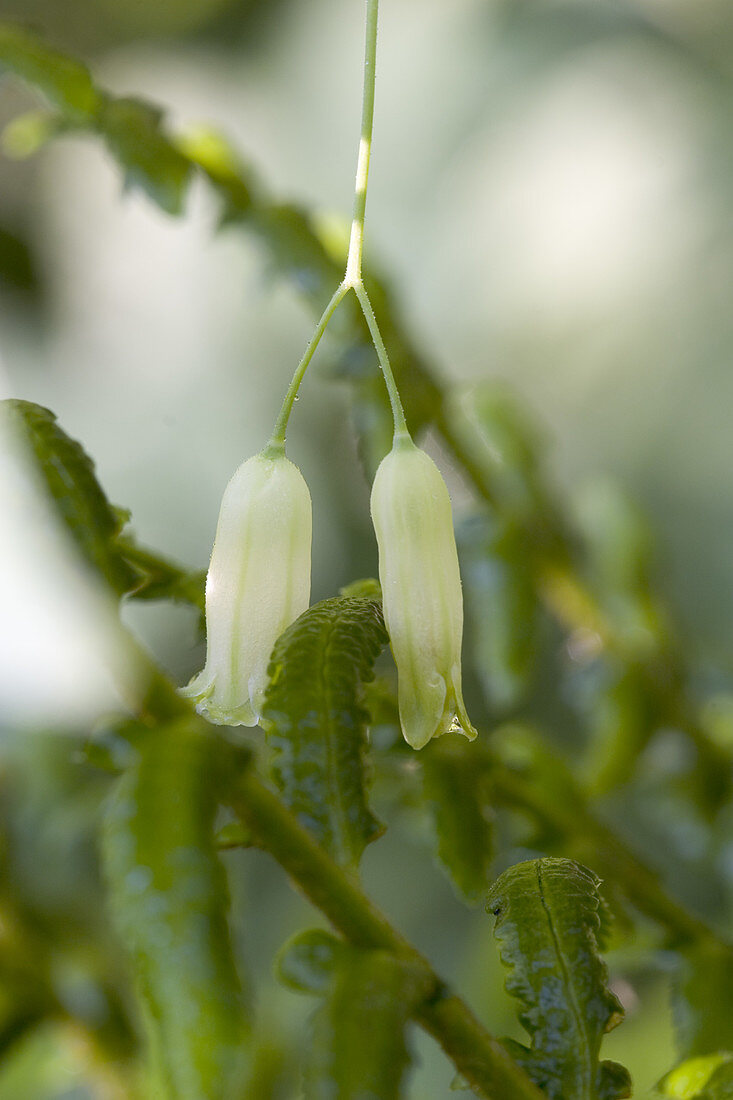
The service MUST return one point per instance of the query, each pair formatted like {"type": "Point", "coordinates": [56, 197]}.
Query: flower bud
{"type": "Point", "coordinates": [257, 585]}
{"type": "Point", "coordinates": [421, 590]}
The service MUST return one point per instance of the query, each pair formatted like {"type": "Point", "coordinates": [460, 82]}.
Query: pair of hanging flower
{"type": "Point", "coordinates": [259, 582]}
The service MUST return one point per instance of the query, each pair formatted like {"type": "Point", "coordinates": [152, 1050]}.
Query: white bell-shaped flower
{"type": "Point", "coordinates": [421, 590]}
{"type": "Point", "coordinates": [258, 583]}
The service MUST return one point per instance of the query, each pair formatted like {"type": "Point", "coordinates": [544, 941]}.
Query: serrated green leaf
{"type": "Point", "coordinates": [546, 925]}
{"type": "Point", "coordinates": [359, 1050]}
{"type": "Point", "coordinates": [316, 721]}
{"type": "Point", "coordinates": [65, 82]}
{"type": "Point", "coordinates": [702, 999]}
{"type": "Point", "coordinates": [458, 797]}
{"type": "Point", "coordinates": [96, 525]}
{"type": "Point", "coordinates": [308, 961]}
{"type": "Point", "coordinates": [705, 1078]}
{"type": "Point", "coordinates": [168, 899]}
{"type": "Point", "coordinates": [502, 605]}
{"type": "Point", "coordinates": [69, 477]}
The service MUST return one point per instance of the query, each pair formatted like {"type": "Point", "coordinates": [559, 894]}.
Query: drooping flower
{"type": "Point", "coordinates": [421, 590]}
{"type": "Point", "coordinates": [257, 585]}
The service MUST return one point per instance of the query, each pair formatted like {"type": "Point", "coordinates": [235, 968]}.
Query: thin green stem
{"type": "Point", "coordinates": [352, 278]}
{"type": "Point", "coordinates": [277, 440]}
{"type": "Point", "coordinates": [356, 244]}
{"type": "Point", "coordinates": [476, 1054]}
{"type": "Point", "coordinates": [398, 413]}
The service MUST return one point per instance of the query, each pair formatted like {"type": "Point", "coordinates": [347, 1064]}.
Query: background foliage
{"type": "Point", "coordinates": [572, 234]}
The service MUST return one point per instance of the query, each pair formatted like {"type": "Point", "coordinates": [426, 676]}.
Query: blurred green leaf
{"type": "Point", "coordinates": [617, 537]}
{"type": "Point", "coordinates": [458, 797]}
{"type": "Point", "coordinates": [308, 961]}
{"type": "Point", "coordinates": [618, 553]}
{"type": "Point", "coordinates": [316, 721]}
{"type": "Point", "coordinates": [702, 999]}
{"type": "Point", "coordinates": [65, 82]}
{"type": "Point", "coordinates": [27, 994]}
{"type": "Point", "coordinates": [706, 1078]}
{"type": "Point", "coordinates": [132, 128]}
{"type": "Point", "coordinates": [234, 835]}
{"type": "Point", "coordinates": [17, 264]}
{"type": "Point", "coordinates": [623, 716]}
{"type": "Point", "coordinates": [547, 922]}
{"type": "Point", "coordinates": [160, 579]}
{"type": "Point", "coordinates": [214, 155]}
{"type": "Point", "coordinates": [359, 1047]}
{"type": "Point", "coordinates": [502, 605]}
{"type": "Point", "coordinates": [273, 1075]}
{"type": "Point", "coordinates": [96, 526]}
{"type": "Point", "coordinates": [134, 133]}
{"type": "Point", "coordinates": [168, 899]}
{"type": "Point", "coordinates": [70, 480]}
{"type": "Point", "coordinates": [499, 444]}
{"type": "Point", "coordinates": [545, 780]}
{"type": "Point", "coordinates": [26, 135]}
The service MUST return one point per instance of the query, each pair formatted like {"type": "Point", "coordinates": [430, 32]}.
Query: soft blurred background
{"type": "Point", "coordinates": [552, 196]}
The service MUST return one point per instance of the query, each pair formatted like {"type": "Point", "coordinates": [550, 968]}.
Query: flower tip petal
{"type": "Point", "coordinates": [460, 722]}
{"type": "Point", "coordinates": [422, 709]}
{"type": "Point", "coordinates": [416, 734]}
{"type": "Point", "coordinates": [462, 725]}
{"type": "Point", "coordinates": [199, 687]}
{"type": "Point", "coordinates": [200, 691]}
{"type": "Point", "coordinates": [227, 716]}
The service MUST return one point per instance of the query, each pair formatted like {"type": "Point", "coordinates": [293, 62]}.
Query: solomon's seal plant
{"type": "Point", "coordinates": [251, 598]}
{"type": "Point", "coordinates": [115, 839]}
